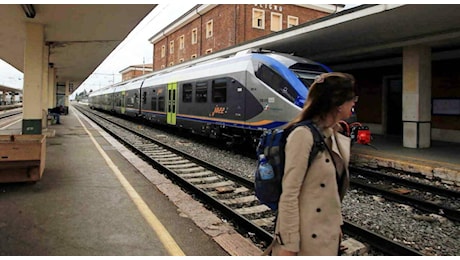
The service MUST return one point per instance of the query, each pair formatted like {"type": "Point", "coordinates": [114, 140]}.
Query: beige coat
{"type": "Point", "coordinates": [310, 212]}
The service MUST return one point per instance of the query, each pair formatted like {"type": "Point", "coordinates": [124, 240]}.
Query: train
{"type": "Point", "coordinates": [233, 99]}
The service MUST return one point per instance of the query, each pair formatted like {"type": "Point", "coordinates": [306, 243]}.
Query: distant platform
{"type": "Point", "coordinates": [7, 107]}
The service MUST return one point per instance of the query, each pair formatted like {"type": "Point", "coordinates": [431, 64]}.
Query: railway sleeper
{"type": "Point", "coordinates": [159, 151]}
{"type": "Point", "coordinates": [180, 166]}
{"type": "Point", "coordinates": [195, 171]}
{"type": "Point", "coordinates": [154, 149]}
{"type": "Point", "coordinates": [205, 179]}
{"type": "Point", "coordinates": [252, 210]}
{"type": "Point", "coordinates": [264, 222]}
{"type": "Point", "coordinates": [240, 200]}
{"type": "Point", "coordinates": [215, 185]}
{"type": "Point", "coordinates": [235, 191]}
{"type": "Point", "coordinates": [171, 160]}
{"type": "Point", "coordinates": [183, 163]}
{"type": "Point", "coordinates": [163, 155]}
{"type": "Point", "coordinates": [149, 146]}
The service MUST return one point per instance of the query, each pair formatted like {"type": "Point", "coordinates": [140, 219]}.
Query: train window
{"type": "Point", "coordinates": [307, 76]}
{"type": "Point", "coordinates": [144, 97]}
{"type": "Point", "coordinates": [219, 90]}
{"type": "Point", "coordinates": [276, 82]}
{"type": "Point", "coordinates": [136, 100]}
{"type": "Point", "coordinates": [307, 67]}
{"type": "Point", "coordinates": [187, 93]}
{"type": "Point", "coordinates": [201, 92]}
{"type": "Point", "coordinates": [130, 102]}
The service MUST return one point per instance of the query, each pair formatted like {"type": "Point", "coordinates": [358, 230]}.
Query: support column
{"type": "Point", "coordinates": [68, 86]}
{"type": "Point", "coordinates": [416, 97]}
{"type": "Point", "coordinates": [51, 87]}
{"type": "Point", "coordinates": [33, 79]}
{"type": "Point", "coordinates": [68, 92]}
{"type": "Point", "coordinates": [45, 77]}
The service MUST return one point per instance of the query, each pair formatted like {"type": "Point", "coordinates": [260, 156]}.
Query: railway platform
{"type": "Point", "coordinates": [96, 198]}
{"type": "Point", "coordinates": [440, 162]}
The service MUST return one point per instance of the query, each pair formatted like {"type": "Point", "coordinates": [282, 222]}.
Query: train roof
{"type": "Point", "coordinates": [203, 69]}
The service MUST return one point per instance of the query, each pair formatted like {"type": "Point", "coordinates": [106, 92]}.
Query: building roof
{"type": "Point", "coordinates": [146, 67]}
{"type": "Point", "coordinates": [10, 89]}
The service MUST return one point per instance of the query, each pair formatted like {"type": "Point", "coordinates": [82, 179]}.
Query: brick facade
{"type": "Point", "coordinates": [232, 24]}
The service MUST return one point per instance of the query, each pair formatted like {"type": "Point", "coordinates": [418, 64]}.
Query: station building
{"type": "Point", "coordinates": [212, 27]}
{"type": "Point", "coordinates": [382, 104]}
{"type": "Point", "coordinates": [135, 71]}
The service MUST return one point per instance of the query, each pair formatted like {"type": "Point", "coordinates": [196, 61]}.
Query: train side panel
{"type": "Point", "coordinates": [233, 98]}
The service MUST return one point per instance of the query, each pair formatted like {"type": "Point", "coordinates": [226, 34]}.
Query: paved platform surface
{"type": "Point", "coordinates": [96, 198]}
{"type": "Point", "coordinates": [441, 161]}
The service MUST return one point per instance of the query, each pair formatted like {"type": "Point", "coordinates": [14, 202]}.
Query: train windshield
{"type": "Point", "coordinates": [307, 77]}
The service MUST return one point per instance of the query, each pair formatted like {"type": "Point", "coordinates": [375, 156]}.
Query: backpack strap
{"type": "Point", "coordinates": [324, 145]}
{"type": "Point", "coordinates": [318, 140]}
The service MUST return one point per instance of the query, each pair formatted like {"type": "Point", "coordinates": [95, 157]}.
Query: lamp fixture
{"type": "Point", "coordinates": [29, 10]}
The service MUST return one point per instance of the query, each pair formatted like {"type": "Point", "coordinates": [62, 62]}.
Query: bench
{"type": "Point", "coordinates": [22, 157]}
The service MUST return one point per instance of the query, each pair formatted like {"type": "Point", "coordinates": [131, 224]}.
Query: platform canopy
{"type": "Point", "coordinates": [4, 88]}
{"type": "Point", "coordinates": [80, 36]}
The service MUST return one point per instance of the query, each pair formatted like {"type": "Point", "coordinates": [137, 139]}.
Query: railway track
{"type": "Point", "coordinates": [10, 112]}
{"type": "Point", "coordinates": [409, 192]}
{"type": "Point", "coordinates": [228, 193]}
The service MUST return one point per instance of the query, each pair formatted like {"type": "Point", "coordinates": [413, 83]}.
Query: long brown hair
{"type": "Point", "coordinates": [328, 91]}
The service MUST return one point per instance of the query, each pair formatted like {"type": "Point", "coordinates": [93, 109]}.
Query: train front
{"type": "Point", "coordinates": [300, 73]}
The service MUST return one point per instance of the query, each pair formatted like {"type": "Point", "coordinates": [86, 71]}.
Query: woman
{"type": "Point", "coordinates": [309, 216]}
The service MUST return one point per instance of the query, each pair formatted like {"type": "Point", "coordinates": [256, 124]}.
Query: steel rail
{"type": "Point", "coordinates": [407, 182]}
{"type": "Point", "coordinates": [382, 243]}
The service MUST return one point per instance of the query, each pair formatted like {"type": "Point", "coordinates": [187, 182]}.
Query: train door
{"type": "Point", "coordinates": [106, 102]}
{"type": "Point", "coordinates": [240, 92]}
{"type": "Point", "coordinates": [112, 101]}
{"type": "Point", "coordinates": [123, 102]}
{"type": "Point", "coordinates": [145, 100]}
{"type": "Point", "coordinates": [171, 103]}
{"type": "Point", "coordinates": [233, 92]}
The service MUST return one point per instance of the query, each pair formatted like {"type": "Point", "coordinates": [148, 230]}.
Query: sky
{"type": "Point", "coordinates": [134, 50]}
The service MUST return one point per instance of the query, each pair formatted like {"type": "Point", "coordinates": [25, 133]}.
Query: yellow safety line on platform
{"type": "Point", "coordinates": [166, 239]}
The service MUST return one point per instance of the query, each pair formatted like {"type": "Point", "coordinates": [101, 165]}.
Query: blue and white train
{"type": "Point", "coordinates": [232, 98]}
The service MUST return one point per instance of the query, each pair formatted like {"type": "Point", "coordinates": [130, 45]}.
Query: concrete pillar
{"type": "Point", "coordinates": [52, 88]}
{"type": "Point", "coordinates": [416, 97]}
{"type": "Point", "coordinates": [68, 85]}
{"type": "Point", "coordinates": [44, 104]}
{"type": "Point", "coordinates": [33, 79]}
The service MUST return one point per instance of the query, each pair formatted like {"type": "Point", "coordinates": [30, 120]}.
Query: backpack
{"type": "Point", "coordinates": [270, 153]}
